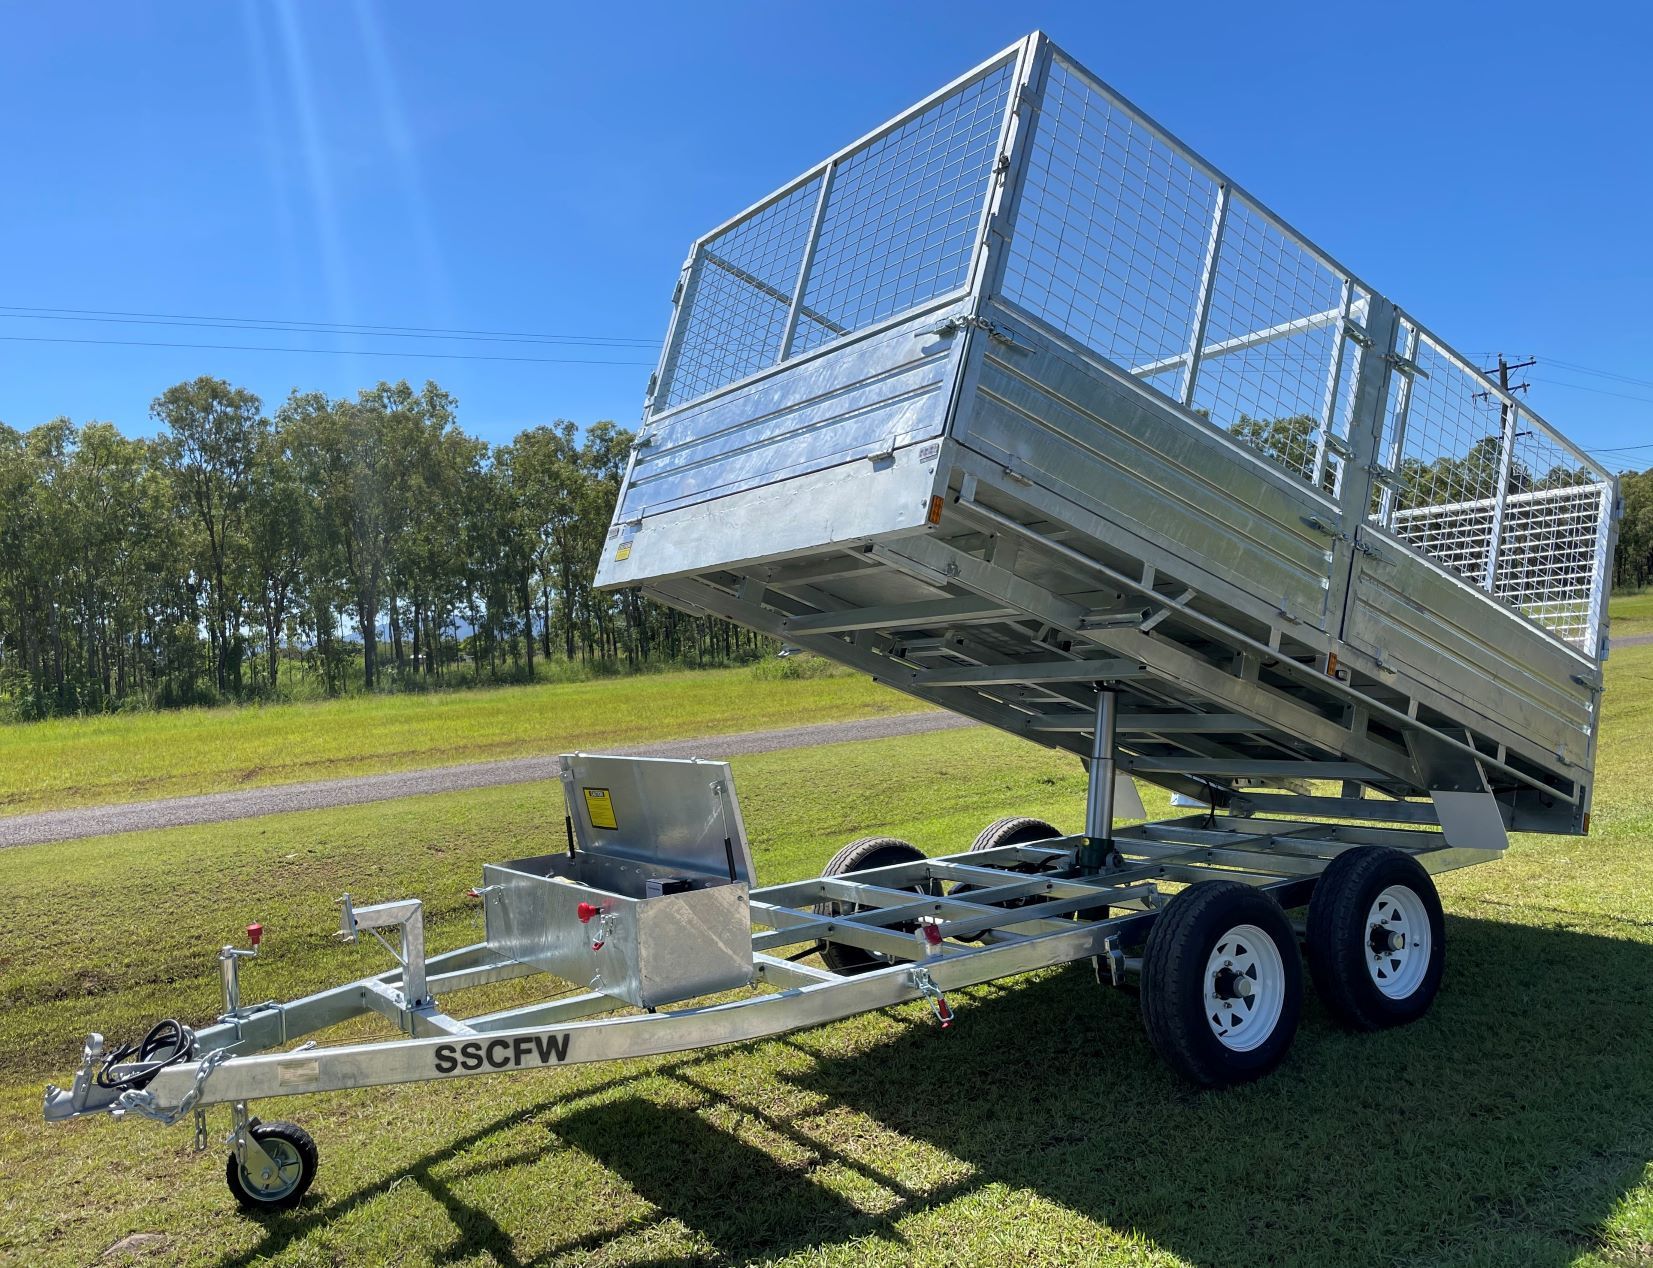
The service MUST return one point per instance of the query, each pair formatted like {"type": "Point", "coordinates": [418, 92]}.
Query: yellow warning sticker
{"type": "Point", "coordinates": [624, 552]}
{"type": "Point", "coordinates": [599, 808]}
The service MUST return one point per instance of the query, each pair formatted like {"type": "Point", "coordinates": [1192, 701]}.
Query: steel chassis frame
{"type": "Point", "coordinates": [958, 939]}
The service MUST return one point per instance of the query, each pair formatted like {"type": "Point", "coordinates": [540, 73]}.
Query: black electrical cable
{"type": "Point", "coordinates": [169, 1037]}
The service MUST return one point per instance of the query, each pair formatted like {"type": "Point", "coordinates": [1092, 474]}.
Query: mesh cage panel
{"type": "Point", "coordinates": [1112, 246]}
{"type": "Point", "coordinates": [739, 295]}
{"type": "Point", "coordinates": [1448, 468]}
{"type": "Point", "coordinates": [1488, 491]}
{"type": "Point", "coordinates": [901, 215]}
{"type": "Point", "coordinates": [1111, 234]}
{"type": "Point", "coordinates": [1275, 318]}
{"type": "Point", "coordinates": [898, 230]}
{"type": "Point", "coordinates": [1550, 555]}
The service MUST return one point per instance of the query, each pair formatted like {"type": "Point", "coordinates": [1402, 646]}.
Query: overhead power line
{"type": "Point", "coordinates": [38, 313]}
{"type": "Point", "coordinates": [1604, 374]}
{"type": "Point", "coordinates": [323, 352]}
{"type": "Point", "coordinates": [1599, 391]}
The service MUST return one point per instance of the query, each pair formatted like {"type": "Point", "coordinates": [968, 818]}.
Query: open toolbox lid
{"type": "Point", "coordinates": [674, 814]}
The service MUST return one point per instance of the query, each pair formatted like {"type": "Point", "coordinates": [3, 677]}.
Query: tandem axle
{"type": "Point", "coordinates": [1193, 908]}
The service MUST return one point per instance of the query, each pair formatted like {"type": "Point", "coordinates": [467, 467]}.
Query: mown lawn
{"type": "Point", "coordinates": [1631, 615]}
{"type": "Point", "coordinates": [1513, 1125]}
{"type": "Point", "coordinates": [99, 760]}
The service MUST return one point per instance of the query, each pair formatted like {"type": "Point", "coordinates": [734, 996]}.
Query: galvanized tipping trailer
{"type": "Point", "coordinates": [1024, 409]}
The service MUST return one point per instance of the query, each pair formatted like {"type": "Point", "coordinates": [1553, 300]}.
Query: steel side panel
{"type": "Point", "coordinates": [816, 514]}
{"type": "Point", "coordinates": [877, 393]}
{"type": "Point", "coordinates": [1109, 449]}
{"type": "Point", "coordinates": [1412, 618]}
{"type": "Point", "coordinates": [656, 950]}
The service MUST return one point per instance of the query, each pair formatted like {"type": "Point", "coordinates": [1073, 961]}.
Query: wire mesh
{"type": "Point", "coordinates": [897, 231]}
{"type": "Point", "coordinates": [1275, 319]}
{"type": "Point", "coordinates": [901, 214]}
{"type": "Point", "coordinates": [1550, 552]}
{"type": "Point", "coordinates": [738, 296]}
{"type": "Point", "coordinates": [1112, 244]}
{"type": "Point", "coordinates": [1488, 491]}
{"type": "Point", "coordinates": [1111, 234]}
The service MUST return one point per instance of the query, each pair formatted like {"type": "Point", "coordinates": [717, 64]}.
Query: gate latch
{"type": "Point", "coordinates": [964, 321]}
{"type": "Point", "coordinates": [1320, 526]}
{"type": "Point", "coordinates": [927, 988]}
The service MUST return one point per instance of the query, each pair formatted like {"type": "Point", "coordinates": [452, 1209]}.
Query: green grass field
{"type": "Point", "coordinates": [101, 760]}
{"type": "Point", "coordinates": [127, 757]}
{"type": "Point", "coordinates": [1513, 1125]}
{"type": "Point", "coordinates": [1631, 614]}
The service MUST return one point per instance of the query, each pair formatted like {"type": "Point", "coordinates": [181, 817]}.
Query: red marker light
{"type": "Point", "coordinates": [585, 911]}
{"type": "Point", "coordinates": [932, 935]}
{"type": "Point", "coordinates": [255, 933]}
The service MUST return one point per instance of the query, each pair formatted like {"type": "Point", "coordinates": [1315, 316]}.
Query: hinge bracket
{"type": "Point", "coordinates": [1406, 366]}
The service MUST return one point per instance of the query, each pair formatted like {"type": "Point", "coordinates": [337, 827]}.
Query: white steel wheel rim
{"type": "Point", "coordinates": [1397, 915]}
{"type": "Point", "coordinates": [288, 1168]}
{"type": "Point", "coordinates": [1245, 988]}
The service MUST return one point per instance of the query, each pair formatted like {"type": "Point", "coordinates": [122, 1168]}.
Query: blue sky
{"type": "Point", "coordinates": [542, 168]}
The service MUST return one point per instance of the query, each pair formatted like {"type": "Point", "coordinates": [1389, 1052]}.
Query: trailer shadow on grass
{"type": "Point", "coordinates": [1506, 1127]}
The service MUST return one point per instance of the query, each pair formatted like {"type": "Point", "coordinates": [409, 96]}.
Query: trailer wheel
{"type": "Point", "coordinates": [1014, 830]}
{"type": "Point", "coordinates": [295, 1155]}
{"type": "Point", "coordinates": [1376, 939]}
{"type": "Point", "coordinates": [1222, 986]}
{"type": "Point", "coordinates": [859, 856]}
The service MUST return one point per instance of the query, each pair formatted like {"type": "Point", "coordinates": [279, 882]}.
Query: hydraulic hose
{"type": "Point", "coordinates": [168, 1042]}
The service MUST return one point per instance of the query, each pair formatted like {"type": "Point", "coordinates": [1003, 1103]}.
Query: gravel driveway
{"type": "Point", "coordinates": [46, 826]}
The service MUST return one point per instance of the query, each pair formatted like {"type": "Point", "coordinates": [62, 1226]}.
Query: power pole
{"type": "Point", "coordinates": [1503, 377]}
{"type": "Point", "coordinates": [1504, 368]}
{"type": "Point", "coordinates": [1503, 372]}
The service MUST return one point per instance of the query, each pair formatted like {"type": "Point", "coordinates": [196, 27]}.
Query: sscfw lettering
{"type": "Point", "coordinates": [501, 1054]}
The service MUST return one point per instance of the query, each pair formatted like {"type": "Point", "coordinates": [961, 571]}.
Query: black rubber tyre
{"type": "Point", "coordinates": [858, 856]}
{"type": "Point", "coordinates": [293, 1151]}
{"type": "Point", "coordinates": [1346, 920]}
{"type": "Point", "coordinates": [1014, 830]}
{"type": "Point", "coordinates": [1182, 944]}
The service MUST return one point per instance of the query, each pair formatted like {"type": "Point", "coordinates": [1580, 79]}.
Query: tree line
{"type": "Point", "coordinates": [1633, 561]}
{"type": "Point", "coordinates": [370, 543]}
{"type": "Point", "coordinates": [332, 545]}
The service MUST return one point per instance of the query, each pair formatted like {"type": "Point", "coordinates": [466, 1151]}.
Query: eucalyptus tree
{"type": "Point", "coordinates": [213, 436]}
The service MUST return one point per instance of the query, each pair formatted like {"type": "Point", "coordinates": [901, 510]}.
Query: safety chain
{"type": "Point", "coordinates": [927, 988]}
{"type": "Point", "coordinates": [144, 1103]}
